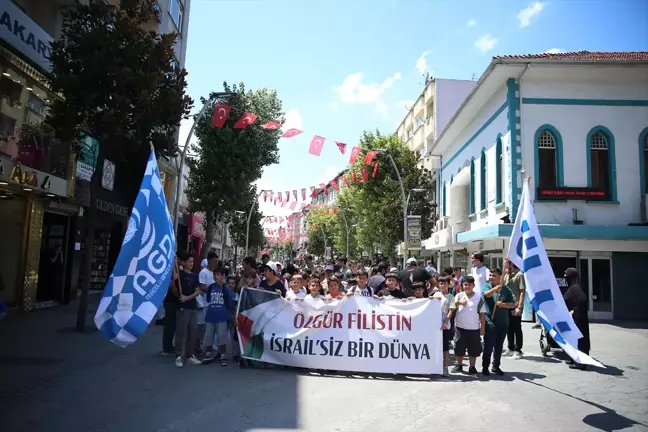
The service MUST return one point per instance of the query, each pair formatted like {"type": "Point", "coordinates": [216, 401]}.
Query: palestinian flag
{"type": "Point", "coordinates": [255, 310]}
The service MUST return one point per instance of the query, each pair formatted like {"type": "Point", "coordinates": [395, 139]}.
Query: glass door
{"type": "Point", "coordinates": [596, 281]}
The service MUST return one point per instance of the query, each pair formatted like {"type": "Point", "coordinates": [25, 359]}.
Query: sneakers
{"type": "Point", "coordinates": [457, 369]}
{"type": "Point", "coordinates": [508, 353]}
{"type": "Point", "coordinates": [496, 370]}
{"type": "Point", "coordinates": [485, 371]}
{"type": "Point", "coordinates": [223, 360]}
{"type": "Point", "coordinates": [517, 355]}
{"type": "Point", "coordinates": [472, 370]}
{"type": "Point", "coordinates": [194, 361]}
{"type": "Point", "coordinates": [178, 362]}
{"type": "Point", "coordinates": [167, 353]}
{"type": "Point", "coordinates": [446, 372]}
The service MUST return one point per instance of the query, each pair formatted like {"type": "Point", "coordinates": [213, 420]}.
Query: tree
{"type": "Point", "coordinates": [227, 161]}
{"type": "Point", "coordinates": [377, 204]}
{"type": "Point", "coordinates": [238, 223]}
{"type": "Point", "coordinates": [321, 224]}
{"type": "Point", "coordinates": [119, 81]}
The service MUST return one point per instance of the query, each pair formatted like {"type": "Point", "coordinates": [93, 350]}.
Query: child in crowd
{"type": "Point", "coordinates": [249, 279]}
{"type": "Point", "coordinates": [498, 302]}
{"type": "Point", "coordinates": [305, 278]}
{"type": "Point", "coordinates": [419, 290]}
{"type": "Point", "coordinates": [343, 283]}
{"type": "Point", "coordinates": [391, 289]}
{"type": "Point", "coordinates": [314, 289]}
{"type": "Point", "coordinates": [448, 307]}
{"type": "Point", "coordinates": [335, 290]}
{"type": "Point", "coordinates": [233, 286]}
{"type": "Point", "coordinates": [470, 325]}
{"type": "Point", "coordinates": [219, 313]}
{"type": "Point", "coordinates": [187, 314]}
{"type": "Point", "coordinates": [296, 290]}
{"type": "Point", "coordinates": [361, 289]}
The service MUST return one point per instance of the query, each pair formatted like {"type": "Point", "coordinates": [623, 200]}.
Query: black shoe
{"type": "Point", "coordinates": [578, 366]}
{"type": "Point", "coordinates": [570, 362]}
{"type": "Point", "coordinates": [242, 364]}
{"type": "Point", "coordinates": [457, 369]}
{"type": "Point", "coordinates": [536, 326]}
{"type": "Point", "coordinates": [485, 371]}
{"type": "Point", "coordinates": [497, 370]}
{"type": "Point", "coordinates": [472, 370]}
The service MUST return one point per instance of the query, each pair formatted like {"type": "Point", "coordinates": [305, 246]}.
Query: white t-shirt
{"type": "Point", "coordinates": [468, 316]}
{"type": "Point", "coordinates": [481, 276]}
{"type": "Point", "coordinates": [365, 292]}
{"type": "Point", "coordinates": [290, 294]}
{"type": "Point", "coordinates": [206, 277]}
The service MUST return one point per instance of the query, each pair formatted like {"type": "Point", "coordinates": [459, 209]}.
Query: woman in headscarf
{"type": "Point", "coordinates": [576, 302]}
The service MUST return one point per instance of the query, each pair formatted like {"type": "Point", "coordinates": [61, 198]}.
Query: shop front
{"type": "Point", "coordinates": [197, 236]}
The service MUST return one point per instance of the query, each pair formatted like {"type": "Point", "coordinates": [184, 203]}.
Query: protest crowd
{"type": "Point", "coordinates": [480, 309]}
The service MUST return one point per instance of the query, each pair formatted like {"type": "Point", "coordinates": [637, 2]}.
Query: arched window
{"type": "Point", "coordinates": [547, 160]}
{"type": "Point", "coordinates": [482, 181]}
{"type": "Point", "coordinates": [472, 186]}
{"type": "Point", "coordinates": [601, 164]}
{"type": "Point", "coordinates": [499, 171]}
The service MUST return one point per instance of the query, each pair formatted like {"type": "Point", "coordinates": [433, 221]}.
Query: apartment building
{"type": "Point", "coordinates": [575, 125]}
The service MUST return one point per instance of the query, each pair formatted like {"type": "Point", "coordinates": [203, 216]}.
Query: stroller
{"type": "Point", "coordinates": [547, 343]}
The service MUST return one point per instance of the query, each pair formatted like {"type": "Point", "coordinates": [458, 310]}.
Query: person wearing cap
{"type": "Point", "coordinates": [271, 281]}
{"type": "Point", "coordinates": [329, 271]}
{"type": "Point", "coordinates": [412, 273]}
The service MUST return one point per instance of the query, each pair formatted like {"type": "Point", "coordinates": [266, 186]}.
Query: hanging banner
{"type": "Point", "coordinates": [358, 334]}
{"type": "Point", "coordinates": [414, 232]}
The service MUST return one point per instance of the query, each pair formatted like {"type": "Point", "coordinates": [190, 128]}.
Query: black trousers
{"type": "Point", "coordinates": [493, 345]}
{"type": "Point", "coordinates": [170, 319]}
{"type": "Point", "coordinates": [515, 333]}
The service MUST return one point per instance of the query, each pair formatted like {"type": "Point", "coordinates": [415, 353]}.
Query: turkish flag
{"type": "Point", "coordinates": [324, 188]}
{"type": "Point", "coordinates": [335, 185]}
{"type": "Point", "coordinates": [293, 205]}
{"type": "Point", "coordinates": [245, 120]}
{"type": "Point", "coordinates": [313, 194]}
{"type": "Point", "coordinates": [287, 196]}
{"type": "Point", "coordinates": [280, 220]}
{"type": "Point", "coordinates": [341, 146]}
{"type": "Point", "coordinates": [221, 112]}
{"type": "Point", "coordinates": [303, 194]}
{"type": "Point", "coordinates": [355, 152]}
{"type": "Point", "coordinates": [272, 125]}
{"type": "Point", "coordinates": [265, 196]}
{"type": "Point", "coordinates": [291, 133]}
{"type": "Point", "coordinates": [353, 177]}
{"type": "Point", "coordinates": [316, 145]}
{"type": "Point", "coordinates": [295, 194]}
{"type": "Point", "coordinates": [370, 156]}
{"type": "Point", "coordinates": [284, 204]}
{"type": "Point", "coordinates": [365, 174]}
{"type": "Point", "coordinates": [346, 181]}
{"type": "Point", "coordinates": [303, 206]}
{"type": "Point", "coordinates": [280, 196]}
{"type": "Point", "coordinates": [375, 170]}
{"type": "Point", "coordinates": [335, 210]}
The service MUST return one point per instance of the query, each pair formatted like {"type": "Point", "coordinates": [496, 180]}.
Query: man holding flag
{"type": "Point", "coordinates": [144, 267]}
{"type": "Point", "coordinates": [526, 251]}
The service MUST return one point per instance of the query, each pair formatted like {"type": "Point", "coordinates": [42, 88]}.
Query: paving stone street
{"type": "Point", "coordinates": [53, 379]}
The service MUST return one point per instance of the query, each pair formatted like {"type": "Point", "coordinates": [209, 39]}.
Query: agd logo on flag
{"type": "Point", "coordinates": [527, 251]}
{"type": "Point", "coordinates": [144, 267]}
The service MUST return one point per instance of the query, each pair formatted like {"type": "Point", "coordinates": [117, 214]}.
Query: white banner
{"type": "Point", "coordinates": [358, 334]}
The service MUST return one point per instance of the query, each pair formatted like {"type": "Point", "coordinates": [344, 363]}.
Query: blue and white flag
{"type": "Point", "coordinates": [144, 268]}
{"type": "Point", "coordinates": [527, 251]}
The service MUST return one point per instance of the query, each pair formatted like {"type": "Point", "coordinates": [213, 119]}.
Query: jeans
{"type": "Point", "coordinates": [493, 344]}
{"type": "Point", "coordinates": [187, 332]}
{"type": "Point", "coordinates": [170, 310]}
{"type": "Point", "coordinates": [515, 333]}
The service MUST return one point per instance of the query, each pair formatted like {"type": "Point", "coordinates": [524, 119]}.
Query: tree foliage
{"type": "Point", "coordinates": [321, 224]}
{"type": "Point", "coordinates": [227, 161]}
{"type": "Point", "coordinates": [376, 206]}
{"type": "Point", "coordinates": [238, 222]}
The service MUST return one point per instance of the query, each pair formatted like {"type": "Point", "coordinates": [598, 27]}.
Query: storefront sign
{"type": "Point", "coordinates": [108, 176]}
{"type": "Point", "coordinates": [572, 193]}
{"type": "Point", "coordinates": [87, 158]}
{"type": "Point", "coordinates": [439, 239]}
{"type": "Point", "coordinates": [25, 35]}
{"type": "Point", "coordinates": [414, 232]}
{"type": "Point", "coordinates": [196, 225]}
{"type": "Point", "coordinates": [30, 178]}
{"type": "Point", "coordinates": [112, 208]}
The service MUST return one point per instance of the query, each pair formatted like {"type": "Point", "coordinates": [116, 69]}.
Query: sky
{"type": "Point", "coordinates": [344, 66]}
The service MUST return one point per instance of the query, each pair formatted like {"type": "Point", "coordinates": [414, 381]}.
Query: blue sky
{"type": "Point", "coordinates": [344, 66]}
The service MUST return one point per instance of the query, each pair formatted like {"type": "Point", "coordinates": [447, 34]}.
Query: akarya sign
{"type": "Point", "coordinates": [25, 35]}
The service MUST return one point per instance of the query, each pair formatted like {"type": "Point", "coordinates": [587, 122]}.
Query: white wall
{"type": "Point", "coordinates": [574, 123]}
{"type": "Point", "coordinates": [449, 95]}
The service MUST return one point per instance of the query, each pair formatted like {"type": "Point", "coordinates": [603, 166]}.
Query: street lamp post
{"type": "Point", "coordinates": [409, 194]}
{"type": "Point", "coordinates": [249, 218]}
{"type": "Point", "coordinates": [402, 188]}
{"type": "Point", "coordinates": [348, 231]}
{"type": "Point", "coordinates": [324, 236]}
{"type": "Point", "coordinates": [176, 205]}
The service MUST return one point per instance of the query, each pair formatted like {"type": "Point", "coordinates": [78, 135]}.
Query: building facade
{"type": "Point", "coordinates": [575, 126]}
{"type": "Point", "coordinates": [44, 187]}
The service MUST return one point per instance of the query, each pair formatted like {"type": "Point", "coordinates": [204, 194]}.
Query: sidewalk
{"type": "Point", "coordinates": [54, 379]}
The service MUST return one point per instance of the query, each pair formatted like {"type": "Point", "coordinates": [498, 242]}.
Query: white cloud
{"type": "Point", "coordinates": [293, 120]}
{"type": "Point", "coordinates": [554, 51]}
{"type": "Point", "coordinates": [525, 15]}
{"type": "Point", "coordinates": [471, 22]}
{"type": "Point", "coordinates": [422, 64]}
{"type": "Point", "coordinates": [185, 126]}
{"type": "Point", "coordinates": [354, 90]}
{"type": "Point", "coordinates": [486, 43]}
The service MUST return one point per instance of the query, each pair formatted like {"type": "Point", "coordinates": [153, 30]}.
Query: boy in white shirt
{"type": "Point", "coordinates": [470, 324]}
{"type": "Point", "coordinates": [480, 272]}
{"type": "Point", "coordinates": [296, 291]}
